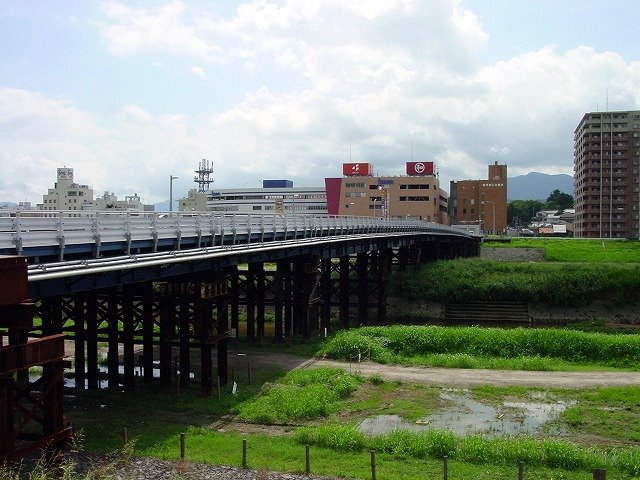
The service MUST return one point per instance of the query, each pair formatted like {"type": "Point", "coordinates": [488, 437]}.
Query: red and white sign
{"type": "Point", "coordinates": [357, 169]}
{"type": "Point", "coordinates": [419, 168]}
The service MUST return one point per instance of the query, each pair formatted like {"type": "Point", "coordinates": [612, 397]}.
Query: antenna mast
{"type": "Point", "coordinates": [203, 179]}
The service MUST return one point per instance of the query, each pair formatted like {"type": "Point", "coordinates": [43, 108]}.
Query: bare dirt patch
{"type": "Point", "coordinates": [450, 377]}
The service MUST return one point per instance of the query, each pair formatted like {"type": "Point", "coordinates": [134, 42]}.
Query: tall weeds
{"type": "Point", "coordinates": [568, 284]}
{"type": "Point", "coordinates": [382, 344]}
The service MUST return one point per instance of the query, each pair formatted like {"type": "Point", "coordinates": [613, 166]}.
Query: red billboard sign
{"type": "Point", "coordinates": [419, 168]}
{"type": "Point", "coordinates": [357, 169]}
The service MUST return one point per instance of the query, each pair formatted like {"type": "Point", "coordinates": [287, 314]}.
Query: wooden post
{"type": "Point", "coordinates": [373, 465]}
{"type": "Point", "coordinates": [520, 470]}
{"type": "Point", "coordinates": [244, 453]}
{"type": "Point", "coordinates": [113, 374]}
{"type": "Point", "coordinates": [125, 436]}
{"type": "Point", "coordinates": [147, 332]}
{"type": "Point", "coordinates": [307, 468]}
{"type": "Point", "coordinates": [249, 372]}
{"type": "Point", "coordinates": [445, 468]}
{"type": "Point", "coordinates": [128, 334]}
{"type": "Point", "coordinates": [92, 340]}
{"type": "Point", "coordinates": [182, 446]}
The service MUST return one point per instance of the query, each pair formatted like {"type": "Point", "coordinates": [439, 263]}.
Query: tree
{"type": "Point", "coordinates": [558, 201]}
{"type": "Point", "coordinates": [521, 212]}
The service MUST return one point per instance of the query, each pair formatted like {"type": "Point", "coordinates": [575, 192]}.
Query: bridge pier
{"type": "Point", "coordinates": [31, 413]}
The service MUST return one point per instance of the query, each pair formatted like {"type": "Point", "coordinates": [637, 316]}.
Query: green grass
{"type": "Point", "coordinates": [566, 284]}
{"type": "Point", "coordinates": [299, 395]}
{"type": "Point", "coordinates": [474, 449]}
{"type": "Point", "coordinates": [531, 349]}
{"type": "Point", "coordinates": [285, 453]}
{"type": "Point", "coordinates": [575, 250]}
{"type": "Point", "coordinates": [154, 420]}
{"type": "Point", "coordinates": [612, 412]}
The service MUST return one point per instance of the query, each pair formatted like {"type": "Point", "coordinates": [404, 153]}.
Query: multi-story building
{"type": "Point", "coordinates": [65, 194]}
{"type": "Point", "coordinates": [275, 196]}
{"type": "Point", "coordinates": [416, 195]}
{"type": "Point", "coordinates": [606, 156]}
{"type": "Point", "coordinates": [481, 202]}
{"type": "Point", "coordinates": [109, 202]}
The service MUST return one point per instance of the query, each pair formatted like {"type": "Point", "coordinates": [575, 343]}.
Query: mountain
{"type": "Point", "coordinates": [538, 186]}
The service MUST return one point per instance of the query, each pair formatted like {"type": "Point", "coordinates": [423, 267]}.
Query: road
{"type": "Point", "coordinates": [449, 377]}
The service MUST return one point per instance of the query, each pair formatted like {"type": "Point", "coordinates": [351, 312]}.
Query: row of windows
{"type": "Point", "coordinates": [414, 199]}
{"type": "Point", "coordinates": [420, 186]}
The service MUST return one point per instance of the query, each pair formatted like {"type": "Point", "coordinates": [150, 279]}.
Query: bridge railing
{"type": "Point", "coordinates": [21, 231]}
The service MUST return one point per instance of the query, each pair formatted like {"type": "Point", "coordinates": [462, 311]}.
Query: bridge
{"type": "Point", "coordinates": [155, 287]}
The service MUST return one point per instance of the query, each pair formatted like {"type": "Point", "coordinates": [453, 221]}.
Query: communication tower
{"type": "Point", "coordinates": [203, 177]}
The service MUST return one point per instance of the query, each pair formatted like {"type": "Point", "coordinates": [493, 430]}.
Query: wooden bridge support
{"type": "Point", "coordinates": [305, 292]}
{"type": "Point", "coordinates": [31, 409]}
{"type": "Point", "coordinates": [344, 291]}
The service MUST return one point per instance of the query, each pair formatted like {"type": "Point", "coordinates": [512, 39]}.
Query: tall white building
{"type": "Point", "coordinates": [65, 194]}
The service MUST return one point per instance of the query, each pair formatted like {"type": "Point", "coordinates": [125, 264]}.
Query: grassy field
{"type": "Point", "coordinates": [339, 401]}
{"type": "Point", "coordinates": [578, 250]}
{"type": "Point", "coordinates": [552, 283]}
{"type": "Point", "coordinates": [475, 347]}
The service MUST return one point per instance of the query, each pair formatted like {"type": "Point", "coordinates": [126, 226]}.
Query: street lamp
{"type": "Point", "coordinates": [171, 179]}
{"type": "Point", "coordinates": [493, 205]}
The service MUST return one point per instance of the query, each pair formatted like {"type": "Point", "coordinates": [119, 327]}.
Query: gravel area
{"type": "Point", "coordinates": [137, 468]}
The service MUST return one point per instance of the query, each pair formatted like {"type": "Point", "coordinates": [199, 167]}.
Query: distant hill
{"type": "Point", "coordinates": [538, 186]}
{"type": "Point", "coordinates": [164, 206]}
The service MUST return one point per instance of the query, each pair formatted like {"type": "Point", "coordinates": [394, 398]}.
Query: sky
{"type": "Point", "coordinates": [128, 92]}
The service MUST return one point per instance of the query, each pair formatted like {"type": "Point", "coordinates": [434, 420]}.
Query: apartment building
{"type": "Point", "coordinates": [606, 157]}
{"type": "Point", "coordinates": [481, 202]}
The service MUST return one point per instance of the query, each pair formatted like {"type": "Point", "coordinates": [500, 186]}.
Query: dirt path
{"type": "Point", "coordinates": [450, 377]}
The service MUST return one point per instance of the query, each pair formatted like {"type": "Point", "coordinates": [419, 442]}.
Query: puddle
{"type": "Point", "coordinates": [69, 379]}
{"type": "Point", "coordinates": [465, 416]}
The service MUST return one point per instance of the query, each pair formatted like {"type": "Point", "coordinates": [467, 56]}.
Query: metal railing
{"type": "Point", "coordinates": [24, 231]}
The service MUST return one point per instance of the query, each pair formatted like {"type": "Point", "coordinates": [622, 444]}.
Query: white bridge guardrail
{"type": "Point", "coordinates": [27, 230]}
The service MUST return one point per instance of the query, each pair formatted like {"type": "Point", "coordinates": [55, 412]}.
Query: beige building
{"type": "Point", "coordinates": [195, 201]}
{"type": "Point", "coordinates": [65, 194]}
{"type": "Point", "coordinates": [416, 195]}
{"type": "Point", "coordinates": [481, 202]}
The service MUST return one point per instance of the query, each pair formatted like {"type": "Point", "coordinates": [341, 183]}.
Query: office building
{"type": "Point", "coordinates": [416, 195]}
{"type": "Point", "coordinates": [275, 196]}
{"type": "Point", "coordinates": [65, 194]}
{"type": "Point", "coordinates": [481, 202]}
{"type": "Point", "coordinates": [606, 153]}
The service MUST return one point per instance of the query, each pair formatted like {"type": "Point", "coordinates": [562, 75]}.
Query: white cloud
{"type": "Point", "coordinates": [163, 29]}
{"type": "Point", "coordinates": [376, 78]}
{"type": "Point", "coordinates": [197, 71]}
